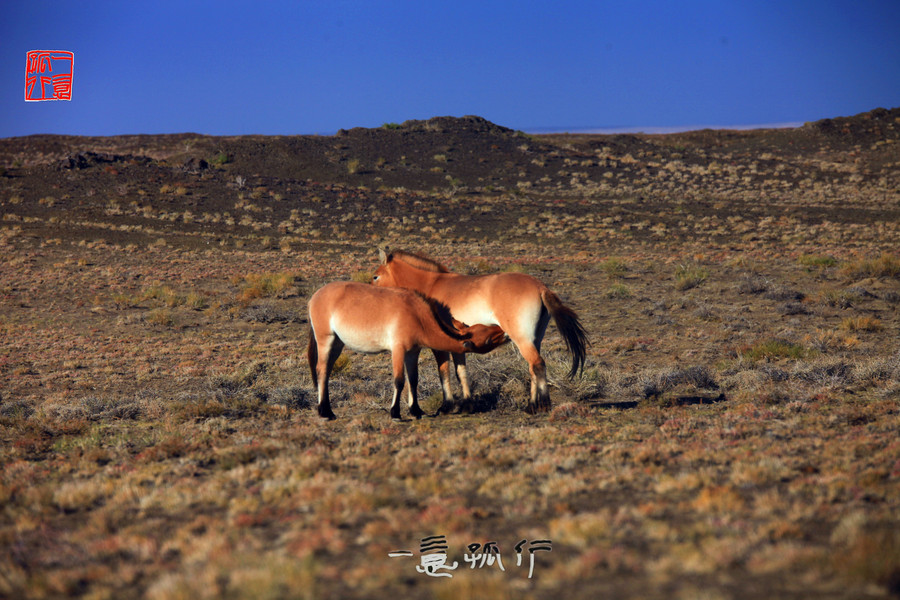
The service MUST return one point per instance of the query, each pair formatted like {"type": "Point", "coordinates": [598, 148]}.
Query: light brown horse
{"type": "Point", "coordinates": [520, 304]}
{"type": "Point", "coordinates": [369, 319]}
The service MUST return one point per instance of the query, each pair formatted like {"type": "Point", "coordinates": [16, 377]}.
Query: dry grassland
{"type": "Point", "coordinates": [734, 434]}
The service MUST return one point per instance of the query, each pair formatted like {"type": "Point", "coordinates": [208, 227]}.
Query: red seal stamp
{"type": "Point", "coordinates": [48, 75]}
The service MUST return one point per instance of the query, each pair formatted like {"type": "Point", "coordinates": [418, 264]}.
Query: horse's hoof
{"type": "Point", "coordinates": [536, 409]}
{"type": "Point", "coordinates": [446, 408]}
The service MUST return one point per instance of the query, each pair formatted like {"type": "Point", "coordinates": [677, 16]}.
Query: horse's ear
{"type": "Point", "coordinates": [383, 256]}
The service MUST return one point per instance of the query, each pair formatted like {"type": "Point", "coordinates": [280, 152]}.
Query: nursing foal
{"type": "Point", "coordinates": [370, 319]}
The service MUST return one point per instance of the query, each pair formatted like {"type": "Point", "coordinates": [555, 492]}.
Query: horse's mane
{"type": "Point", "coordinates": [442, 315]}
{"type": "Point", "coordinates": [419, 262]}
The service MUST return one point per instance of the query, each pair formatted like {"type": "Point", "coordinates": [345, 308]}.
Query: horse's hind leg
{"type": "Point", "coordinates": [411, 361]}
{"type": "Point", "coordinates": [526, 330]}
{"type": "Point", "coordinates": [443, 363]}
{"type": "Point", "coordinates": [328, 353]}
{"type": "Point", "coordinates": [540, 392]}
{"type": "Point", "coordinates": [531, 352]}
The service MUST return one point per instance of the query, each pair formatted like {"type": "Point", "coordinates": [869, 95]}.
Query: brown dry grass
{"type": "Point", "coordinates": [734, 437]}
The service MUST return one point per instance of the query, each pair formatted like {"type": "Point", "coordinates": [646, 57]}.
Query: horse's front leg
{"type": "Point", "coordinates": [443, 363]}
{"type": "Point", "coordinates": [459, 361]}
{"type": "Point", "coordinates": [398, 357]}
{"type": "Point", "coordinates": [411, 360]}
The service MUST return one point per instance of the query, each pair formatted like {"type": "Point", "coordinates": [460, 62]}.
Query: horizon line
{"type": "Point", "coordinates": [651, 130]}
{"type": "Point", "coordinates": [656, 130]}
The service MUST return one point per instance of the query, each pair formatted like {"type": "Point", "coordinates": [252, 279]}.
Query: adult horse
{"type": "Point", "coordinates": [520, 304]}
{"type": "Point", "coordinates": [370, 319]}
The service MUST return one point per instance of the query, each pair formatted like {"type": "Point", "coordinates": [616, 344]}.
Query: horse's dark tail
{"type": "Point", "coordinates": [570, 328]}
{"type": "Point", "coordinates": [312, 353]}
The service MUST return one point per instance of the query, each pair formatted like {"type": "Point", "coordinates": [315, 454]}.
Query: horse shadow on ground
{"type": "Point", "coordinates": [665, 401]}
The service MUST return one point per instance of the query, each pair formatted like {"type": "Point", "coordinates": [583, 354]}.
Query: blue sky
{"type": "Point", "coordinates": [303, 67]}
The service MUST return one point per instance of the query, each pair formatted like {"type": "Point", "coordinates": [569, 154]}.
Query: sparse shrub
{"type": "Point", "coordinates": [231, 395]}
{"type": "Point", "coordinates": [614, 268]}
{"type": "Point", "coordinates": [201, 408]}
{"type": "Point", "coordinates": [825, 340]}
{"type": "Point", "coordinates": [93, 408]}
{"type": "Point", "coordinates": [454, 183]}
{"type": "Point", "coordinates": [698, 377]}
{"type": "Point", "coordinates": [15, 410]}
{"type": "Point", "coordinates": [353, 166]}
{"type": "Point", "coordinates": [196, 301]}
{"type": "Point", "coordinates": [864, 323]}
{"type": "Point", "coordinates": [164, 294]}
{"type": "Point", "coordinates": [775, 374]}
{"type": "Point", "coordinates": [592, 384]}
{"type": "Point", "coordinates": [814, 261]}
{"type": "Point", "coordinates": [793, 308]}
{"type": "Point", "coordinates": [784, 293]}
{"type": "Point", "coordinates": [618, 291]}
{"type": "Point", "coordinates": [840, 298]}
{"type": "Point", "coordinates": [121, 300]}
{"type": "Point", "coordinates": [886, 265]}
{"type": "Point", "coordinates": [705, 312]}
{"type": "Point", "coordinates": [689, 276]}
{"type": "Point", "coordinates": [884, 370]}
{"type": "Point", "coordinates": [263, 285]}
{"type": "Point", "coordinates": [362, 276]}
{"type": "Point", "coordinates": [161, 316]}
{"type": "Point", "coordinates": [831, 375]}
